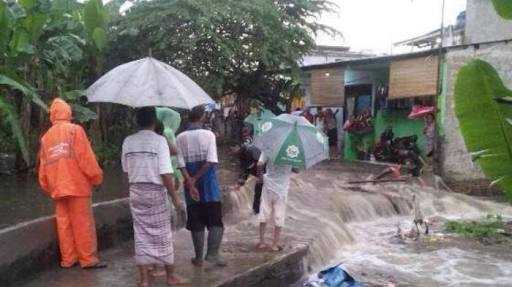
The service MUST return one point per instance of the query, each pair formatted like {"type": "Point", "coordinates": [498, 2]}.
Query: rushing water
{"type": "Point", "coordinates": [357, 226]}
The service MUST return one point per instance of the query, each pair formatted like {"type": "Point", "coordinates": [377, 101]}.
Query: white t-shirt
{"type": "Point", "coordinates": [195, 146]}
{"type": "Point", "coordinates": [277, 177]}
{"type": "Point", "coordinates": [145, 157]}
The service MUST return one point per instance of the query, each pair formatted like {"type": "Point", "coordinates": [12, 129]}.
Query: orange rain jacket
{"type": "Point", "coordinates": [67, 166]}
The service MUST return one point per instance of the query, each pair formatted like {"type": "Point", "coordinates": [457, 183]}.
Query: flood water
{"type": "Point", "coordinates": [21, 199]}
{"type": "Point", "coordinates": [433, 261]}
{"type": "Point", "coordinates": [358, 226]}
{"type": "Point", "coordinates": [352, 224]}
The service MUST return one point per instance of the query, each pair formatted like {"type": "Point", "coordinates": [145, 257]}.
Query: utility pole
{"type": "Point", "coordinates": [437, 136]}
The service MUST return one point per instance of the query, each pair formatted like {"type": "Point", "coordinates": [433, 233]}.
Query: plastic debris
{"type": "Point", "coordinates": [332, 277]}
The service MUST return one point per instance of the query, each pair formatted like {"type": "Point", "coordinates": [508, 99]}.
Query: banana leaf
{"type": "Point", "coordinates": [27, 91]}
{"type": "Point", "coordinates": [503, 8]}
{"type": "Point", "coordinates": [483, 121]}
{"type": "Point", "coordinates": [11, 117]}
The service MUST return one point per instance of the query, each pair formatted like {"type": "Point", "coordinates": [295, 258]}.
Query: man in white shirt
{"type": "Point", "coordinates": [276, 183]}
{"type": "Point", "coordinates": [146, 161]}
{"type": "Point", "coordinates": [197, 159]}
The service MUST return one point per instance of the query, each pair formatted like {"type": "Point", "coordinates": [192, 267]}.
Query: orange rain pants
{"type": "Point", "coordinates": [67, 172]}
{"type": "Point", "coordinates": [76, 231]}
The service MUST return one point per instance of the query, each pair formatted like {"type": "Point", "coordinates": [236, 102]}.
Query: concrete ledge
{"type": "Point", "coordinates": [281, 271]}
{"type": "Point", "coordinates": [31, 247]}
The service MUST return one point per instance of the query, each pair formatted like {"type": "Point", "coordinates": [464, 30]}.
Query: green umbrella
{"type": "Point", "coordinates": [258, 118]}
{"type": "Point", "coordinates": [292, 140]}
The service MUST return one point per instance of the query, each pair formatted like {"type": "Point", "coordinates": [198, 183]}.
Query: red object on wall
{"type": "Point", "coordinates": [421, 111]}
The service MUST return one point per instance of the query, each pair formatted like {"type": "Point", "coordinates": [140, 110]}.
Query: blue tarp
{"type": "Point", "coordinates": [333, 277]}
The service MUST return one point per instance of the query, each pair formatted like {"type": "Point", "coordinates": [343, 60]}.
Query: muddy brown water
{"type": "Point", "coordinates": [21, 198]}
{"type": "Point", "coordinates": [356, 225]}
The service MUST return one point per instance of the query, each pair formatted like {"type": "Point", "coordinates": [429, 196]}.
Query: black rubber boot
{"type": "Point", "coordinates": [198, 240]}
{"type": "Point", "coordinates": [214, 239]}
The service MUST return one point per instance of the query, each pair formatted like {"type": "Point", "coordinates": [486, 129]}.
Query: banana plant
{"type": "Point", "coordinates": [503, 8]}
{"type": "Point", "coordinates": [44, 46]}
{"type": "Point", "coordinates": [485, 121]}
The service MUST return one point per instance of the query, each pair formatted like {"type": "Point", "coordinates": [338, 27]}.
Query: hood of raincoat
{"type": "Point", "coordinates": [60, 111]}
{"type": "Point", "coordinates": [169, 118]}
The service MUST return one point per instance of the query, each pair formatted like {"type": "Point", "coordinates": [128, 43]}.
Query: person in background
{"type": "Point", "coordinates": [236, 121]}
{"type": "Point", "coordinates": [146, 161]}
{"type": "Point", "coordinates": [67, 172]}
{"type": "Point", "coordinates": [320, 120]}
{"type": "Point", "coordinates": [198, 159]}
{"type": "Point", "coordinates": [276, 183]}
{"type": "Point", "coordinates": [332, 132]}
{"type": "Point", "coordinates": [249, 155]}
{"type": "Point", "coordinates": [430, 133]}
{"type": "Point", "coordinates": [308, 115]}
{"type": "Point", "coordinates": [170, 122]}
{"type": "Point", "coordinates": [297, 112]}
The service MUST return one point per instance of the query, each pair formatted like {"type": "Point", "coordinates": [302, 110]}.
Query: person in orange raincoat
{"type": "Point", "coordinates": [67, 172]}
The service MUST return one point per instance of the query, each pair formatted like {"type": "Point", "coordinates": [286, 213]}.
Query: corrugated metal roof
{"type": "Point", "coordinates": [371, 60]}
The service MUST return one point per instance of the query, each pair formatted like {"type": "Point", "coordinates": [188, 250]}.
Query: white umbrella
{"type": "Point", "coordinates": [148, 82]}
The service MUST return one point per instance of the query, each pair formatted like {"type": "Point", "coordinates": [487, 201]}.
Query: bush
{"type": "Point", "coordinates": [107, 153]}
{"type": "Point", "coordinates": [489, 226]}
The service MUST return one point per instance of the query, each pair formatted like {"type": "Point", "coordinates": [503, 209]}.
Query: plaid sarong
{"type": "Point", "coordinates": [150, 210]}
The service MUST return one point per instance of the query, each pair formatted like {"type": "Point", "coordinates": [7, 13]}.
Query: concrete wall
{"type": "Point", "coordinates": [455, 161]}
{"type": "Point", "coordinates": [483, 24]}
{"type": "Point", "coordinates": [30, 247]}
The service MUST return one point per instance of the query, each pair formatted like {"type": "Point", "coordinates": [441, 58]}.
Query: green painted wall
{"type": "Point", "coordinates": [402, 126]}
{"type": "Point", "coordinates": [354, 142]}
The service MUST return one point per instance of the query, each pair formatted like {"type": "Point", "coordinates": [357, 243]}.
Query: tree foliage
{"type": "Point", "coordinates": [485, 121]}
{"type": "Point", "coordinates": [52, 48]}
{"type": "Point", "coordinates": [228, 46]}
{"type": "Point", "coordinates": [45, 46]}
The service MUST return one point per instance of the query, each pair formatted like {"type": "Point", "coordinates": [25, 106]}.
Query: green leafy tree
{"type": "Point", "coordinates": [228, 46]}
{"type": "Point", "coordinates": [486, 120]}
{"type": "Point", "coordinates": [44, 46]}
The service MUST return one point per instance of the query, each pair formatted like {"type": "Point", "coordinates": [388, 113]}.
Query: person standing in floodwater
{"type": "Point", "coordinates": [249, 155]}
{"type": "Point", "coordinates": [147, 162]}
{"type": "Point", "coordinates": [67, 172]}
{"type": "Point", "coordinates": [276, 183]}
{"type": "Point", "coordinates": [198, 159]}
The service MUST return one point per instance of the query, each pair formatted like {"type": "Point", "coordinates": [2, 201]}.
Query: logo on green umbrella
{"type": "Point", "coordinates": [292, 151]}
{"type": "Point", "coordinates": [265, 127]}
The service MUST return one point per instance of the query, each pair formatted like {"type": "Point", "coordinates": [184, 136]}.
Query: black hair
{"type": "Point", "coordinates": [196, 114]}
{"type": "Point", "coordinates": [159, 127]}
{"type": "Point", "coordinates": [145, 117]}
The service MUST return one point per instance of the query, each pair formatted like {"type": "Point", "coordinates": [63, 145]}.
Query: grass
{"type": "Point", "coordinates": [503, 8]}
{"type": "Point", "coordinates": [487, 227]}
{"type": "Point", "coordinates": [107, 153]}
